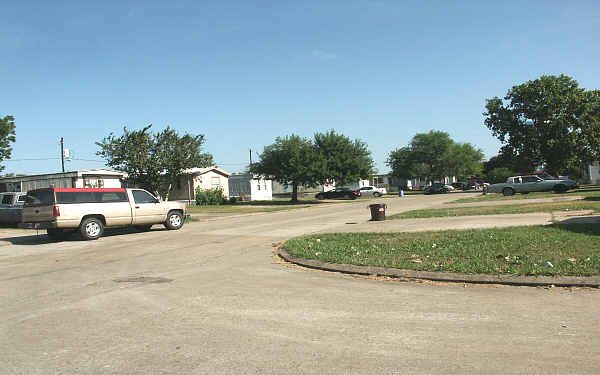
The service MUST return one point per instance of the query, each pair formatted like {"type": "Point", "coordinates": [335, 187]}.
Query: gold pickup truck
{"type": "Point", "coordinates": [62, 211]}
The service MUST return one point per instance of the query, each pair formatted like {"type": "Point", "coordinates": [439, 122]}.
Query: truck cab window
{"type": "Point", "coordinates": [140, 196]}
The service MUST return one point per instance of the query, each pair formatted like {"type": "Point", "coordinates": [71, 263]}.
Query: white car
{"type": "Point", "coordinates": [372, 190]}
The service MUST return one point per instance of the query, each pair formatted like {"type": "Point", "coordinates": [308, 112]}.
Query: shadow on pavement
{"type": "Point", "coordinates": [42, 238]}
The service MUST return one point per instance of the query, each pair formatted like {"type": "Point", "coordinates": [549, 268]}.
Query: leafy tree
{"type": "Point", "coordinates": [153, 161]}
{"type": "Point", "coordinates": [7, 135]}
{"type": "Point", "coordinates": [550, 121]}
{"type": "Point", "coordinates": [177, 153]}
{"type": "Point", "coordinates": [435, 155]}
{"type": "Point", "coordinates": [520, 164]}
{"type": "Point", "coordinates": [463, 160]}
{"type": "Point", "coordinates": [431, 149]}
{"type": "Point", "coordinates": [497, 175]}
{"type": "Point", "coordinates": [342, 160]}
{"type": "Point", "coordinates": [290, 161]}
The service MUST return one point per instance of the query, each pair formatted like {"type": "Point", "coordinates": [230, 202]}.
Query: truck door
{"type": "Point", "coordinates": [146, 208]}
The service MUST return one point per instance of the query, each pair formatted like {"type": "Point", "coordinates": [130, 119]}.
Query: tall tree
{"type": "Point", "coordinates": [291, 160]}
{"type": "Point", "coordinates": [177, 153]}
{"type": "Point", "coordinates": [463, 160]}
{"type": "Point", "coordinates": [153, 161]}
{"type": "Point", "coordinates": [343, 160]}
{"type": "Point", "coordinates": [7, 136]}
{"type": "Point", "coordinates": [550, 120]}
{"type": "Point", "coordinates": [435, 155]}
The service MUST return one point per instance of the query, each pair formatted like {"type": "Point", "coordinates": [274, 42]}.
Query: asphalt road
{"type": "Point", "coordinates": [212, 299]}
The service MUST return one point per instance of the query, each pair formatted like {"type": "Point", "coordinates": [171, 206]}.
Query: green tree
{"type": "Point", "coordinates": [550, 121]}
{"type": "Point", "coordinates": [435, 155]}
{"type": "Point", "coordinates": [463, 160]}
{"type": "Point", "coordinates": [290, 161]}
{"type": "Point", "coordinates": [7, 136]}
{"type": "Point", "coordinates": [153, 161]}
{"type": "Point", "coordinates": [520, 164]}
{"type": "Point", "coordinates": [497, 175]}
{"type": "Point", "coordinates": [341, 159]}
{"type": "Point", "coordinates": [177, 153]}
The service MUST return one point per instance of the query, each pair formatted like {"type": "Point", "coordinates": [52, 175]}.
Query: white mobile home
{"type": "Point", "coordinates": [90, 178]}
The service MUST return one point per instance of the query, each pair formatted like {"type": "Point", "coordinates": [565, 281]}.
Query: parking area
{"type": "Point", "coordinates": [213, 299]}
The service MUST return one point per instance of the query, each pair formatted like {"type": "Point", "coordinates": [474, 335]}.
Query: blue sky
{"type": "Point", "coordinates": [245, 72]}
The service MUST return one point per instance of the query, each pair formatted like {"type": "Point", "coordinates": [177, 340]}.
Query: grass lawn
{"type": "Point", "coordinates": [584, 190]}
{"type": "Point", "coordinates": [590, 203]}
{"type": "Point", "coordinates": [572, 249]}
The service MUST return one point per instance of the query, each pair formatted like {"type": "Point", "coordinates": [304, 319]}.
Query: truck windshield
{"type": "Point", "coordinates": [39, 198]}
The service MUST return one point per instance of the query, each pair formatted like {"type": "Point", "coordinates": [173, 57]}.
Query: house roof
{"type": "Point", "coordinates": [201, 171]}
{"type": "Point", "coordinates": [97, 172]}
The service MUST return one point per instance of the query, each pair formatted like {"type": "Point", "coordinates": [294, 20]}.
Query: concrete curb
{"type": "Point", "coordinates": [564, 281]}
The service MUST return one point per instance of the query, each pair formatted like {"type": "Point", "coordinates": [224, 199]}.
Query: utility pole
{"type": "Point", "coordinates": [250, 157]}
{"type": "Point", "coordinates": [62, 153]}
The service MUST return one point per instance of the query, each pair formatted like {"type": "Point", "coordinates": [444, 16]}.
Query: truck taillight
{"type": "Point", "coordinates": [56, 211]}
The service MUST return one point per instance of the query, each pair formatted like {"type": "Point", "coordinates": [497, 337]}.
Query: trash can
{"type": "Point", "coordinates": [377, 211]}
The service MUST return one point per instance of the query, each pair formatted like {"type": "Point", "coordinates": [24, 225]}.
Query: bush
{"type": "Point", "coordinates": [211, 197]}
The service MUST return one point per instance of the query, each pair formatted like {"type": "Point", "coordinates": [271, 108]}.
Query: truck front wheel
{"type": "Point", "coordinates": [91, 228]}
{"type": "Point", "coordinates": [174, 220]}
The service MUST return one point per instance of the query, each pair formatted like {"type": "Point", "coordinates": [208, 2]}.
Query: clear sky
{"type": "Point", "coordinates": [245, 72]}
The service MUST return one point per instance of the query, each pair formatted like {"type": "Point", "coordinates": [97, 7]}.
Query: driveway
{"type": "Point", "coordinates": [212, 299]}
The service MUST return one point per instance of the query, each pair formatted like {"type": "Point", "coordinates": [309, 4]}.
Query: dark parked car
{"type": "Point", "coordinates": [461, 185]}
{"type": "Point", "coordinates": [435, 188]}
{"type": "Point", "coordinates": [339, 193]}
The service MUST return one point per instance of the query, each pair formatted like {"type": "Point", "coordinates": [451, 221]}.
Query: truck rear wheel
{"type": "Point", "coordinates": [174, 220]}
{"type": "Point", "coordinates": [91, 228]}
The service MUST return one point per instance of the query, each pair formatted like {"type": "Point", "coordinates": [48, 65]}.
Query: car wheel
{"type": "Point", "coordinates": [174, 220]}
{"type": "Point", "coordinates": [143, 228]}
{"type": "Point", "coordinates": [507, 192]}
{"type": "Point", "coordinates": [560, 188]}
{"type": "Point", "coordinates": [320, 197]}
{"type": "Point", "coordinates": [377, 195]}
{"type": "Point", "coordinates": [91, 228]}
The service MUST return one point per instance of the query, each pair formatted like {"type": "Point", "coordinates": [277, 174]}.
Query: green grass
{"type": "Point", "coordinates": [585, 191]}
{"type": "Point", "coordinates": [590, 203]}
{"type": "Point", "coordinates": [572, 249]}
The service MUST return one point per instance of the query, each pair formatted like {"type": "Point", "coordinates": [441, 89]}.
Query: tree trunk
{"type": "Point", "coordinates": [294, 192]}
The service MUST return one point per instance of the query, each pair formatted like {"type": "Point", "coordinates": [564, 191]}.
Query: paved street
{"type": "Point", "coordinates": [212, 299]}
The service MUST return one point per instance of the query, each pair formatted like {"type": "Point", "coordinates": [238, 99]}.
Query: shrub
{"type": "Point", "coordinates": [210, 197]}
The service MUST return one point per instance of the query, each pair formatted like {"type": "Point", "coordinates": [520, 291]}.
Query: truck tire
{"type": "Point", "coordinates": [91, 228]}
{"type": "Point", "coordinates": [174, 220]}
{"type": "Point", "coordinates": [507, 192]}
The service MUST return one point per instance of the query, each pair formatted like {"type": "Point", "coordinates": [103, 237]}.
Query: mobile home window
{"type": "Point", "coordinates": [7, 199]}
